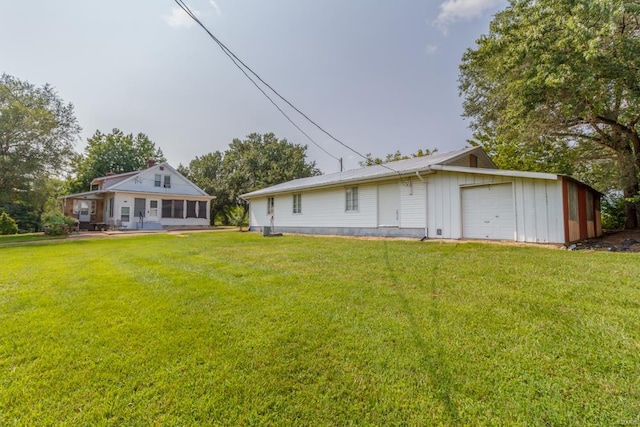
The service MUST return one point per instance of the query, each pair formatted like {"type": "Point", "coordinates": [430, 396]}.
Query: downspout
{"type": "Point", "coordinates": [426, 219]}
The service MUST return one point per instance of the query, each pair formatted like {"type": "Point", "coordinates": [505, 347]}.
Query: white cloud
{"type": "Point", "coordinates": [452, 11]}
{"type": "Point", "coordinates": [179, 18]}
{"type": "Point", "coordinates": [215, 6]}
{"type": "Point", "coordinates": [431, 49]}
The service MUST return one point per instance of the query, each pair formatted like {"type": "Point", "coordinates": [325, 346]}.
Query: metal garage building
{"type": "Point", "coordinates": [455, 195]}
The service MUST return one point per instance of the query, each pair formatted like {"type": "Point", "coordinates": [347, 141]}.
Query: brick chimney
{"type": "Point", "coordinates": [151, 163]}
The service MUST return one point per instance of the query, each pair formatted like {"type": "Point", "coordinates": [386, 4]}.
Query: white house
{"type": "Point", "coordinates": [152, 199]}
{"type": "Point", "coordinates": [454, 195]}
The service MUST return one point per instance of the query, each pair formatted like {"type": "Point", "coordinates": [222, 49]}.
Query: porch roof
{"type": "Point", "coordinates": [88, 195]}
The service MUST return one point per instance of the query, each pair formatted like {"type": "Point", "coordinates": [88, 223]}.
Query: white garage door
{"type": "Point", "coordinates": [487, 212]}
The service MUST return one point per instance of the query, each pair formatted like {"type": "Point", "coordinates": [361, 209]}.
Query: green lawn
{"type": "Point", "coordinates": [17, 239]}
{"type": "Point", "coordinates": [231, 328]}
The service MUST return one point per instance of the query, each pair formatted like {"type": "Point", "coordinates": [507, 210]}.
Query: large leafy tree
{"type": "Point", "coordinates": [257, 161]}
{"type": "Point", "coordinates": [115, 152]}
{"type": "Point", "coordinates": [260, 161]}
{"type": "Point", "coordinates": [37, 133]}
{"type": "Point", "coordinates": [559, 81]}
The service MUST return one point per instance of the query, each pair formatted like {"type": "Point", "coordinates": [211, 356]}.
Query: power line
{"type": "Point", "coordinates": [234, 60]}
{"type": "Point", "coordinates": [237, 61]}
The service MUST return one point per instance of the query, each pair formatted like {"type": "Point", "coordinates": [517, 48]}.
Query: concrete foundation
{"type": "Point", "coordinates": [351, 231]}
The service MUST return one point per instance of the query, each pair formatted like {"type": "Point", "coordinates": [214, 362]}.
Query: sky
{"type": "Point", "coordinates": [379, 75]}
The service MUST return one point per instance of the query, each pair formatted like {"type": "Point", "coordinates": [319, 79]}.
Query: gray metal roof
{"type": "Point", "coordinates": [399, 167]}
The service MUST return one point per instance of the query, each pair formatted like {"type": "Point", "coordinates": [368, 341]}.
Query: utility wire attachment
{"type": "Point", "coordinates": [246, 70]}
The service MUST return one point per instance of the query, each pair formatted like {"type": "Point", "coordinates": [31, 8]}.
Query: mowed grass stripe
{"type": "Point", "coordinates": [232, 328]}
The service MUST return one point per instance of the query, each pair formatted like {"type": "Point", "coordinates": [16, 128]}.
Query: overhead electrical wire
{"type": "Point", "coordinates": [240, 64]}
{"type": "Point", "coordinates": [235, 61]}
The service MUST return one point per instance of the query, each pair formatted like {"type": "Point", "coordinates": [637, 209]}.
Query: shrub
{"type": "Point", "coordinates": [24, 215]}
{"type": "Point", "coordinates": [7, 224]}
{"type": "Point", "coordinates": [613, 211]}
{"type": "Point", "coordinates": [219, 218]}
{"type": "Point", "coordinates": [56, 223]}
{"type": "Point", "coordinates": [239, 217]}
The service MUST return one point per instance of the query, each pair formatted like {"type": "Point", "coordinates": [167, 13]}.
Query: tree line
{"type": "Point", "coordinates": [553, 86]}
{"type": "Point", "coordinates": [38, 163]}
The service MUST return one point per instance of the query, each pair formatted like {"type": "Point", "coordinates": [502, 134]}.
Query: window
{"type": "Point", "coordinates": [111, 203]}
{"type": "Point", "coordinates": [270, 206]}
{"type": "Point", "coordinates": [352, 199]}
{"type": "Point", "coordinates": [191, 209]}
{"type": "Point", "coordinates": [202, 209]}
{"type": "Point", "coordinates": [172, 208]}
{"type": "Point", "coordinates": [167, 181]}
{"type": "Point", "coordinates": [167, 208]}
{"type": "Point", "coordinates": [297, 203]}
{"type": "Point", "coordinates": [124, 214]}
{"type": "Point", "coordinates": [93, 207]}
{"type": "Point", "coordinates": [153, 208]}
{"type": "Point", "coordinates": [158, 180]}
{"type": "Point", "coordinates": [573, 202]}
{"type": "Point", "coordinates": [590, 216]}
{"type": "Point", "coordinates": [473, 161]}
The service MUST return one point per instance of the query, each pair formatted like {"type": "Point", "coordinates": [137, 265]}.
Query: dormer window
{"type": "Point", "coordinates": [167, 181]}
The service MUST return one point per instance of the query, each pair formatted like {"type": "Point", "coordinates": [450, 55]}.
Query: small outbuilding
{"type": "Point", "coordinates": [455, 195]}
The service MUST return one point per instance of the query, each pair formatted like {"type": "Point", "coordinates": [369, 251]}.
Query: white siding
{"type": "Point", "coordinates": [321, 208]}
{"type": "Point", "coordinates": [539, 211]}
{"type": "Point", "coordinates": [538, 206]}
{"type": "Point", "coordinates": [435, 203]}
{"type": "Point", "coordinates": [145, 182]}
{"type": "Point", "coordinates": [128, 200]}
{"type": "Point", "coordinates": [413, 204]}
{"type": "Point", "coordinates": [258, 212]}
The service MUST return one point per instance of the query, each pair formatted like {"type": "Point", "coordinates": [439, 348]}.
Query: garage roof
{"type": "Point", "coordinates": [375, 172]}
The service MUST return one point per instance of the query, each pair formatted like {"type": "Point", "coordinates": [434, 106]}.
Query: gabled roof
{"type": "Point", "coordinates": [115, 182]}
{"type": "Point", "coordinates": [113, 179]}
{"type": "Point", "coordinates": [375, 172]}
{"type": "Point", "coordinates": [118, 182]}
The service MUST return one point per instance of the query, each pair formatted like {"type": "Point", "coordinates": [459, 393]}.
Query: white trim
{"type": "Point", "coordinates": [497, 172]}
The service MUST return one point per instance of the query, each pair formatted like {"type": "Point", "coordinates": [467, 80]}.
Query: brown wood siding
{"type": "Point", "coordinates": [598, 218]}
{"type": "Point", "coordinates": [591, 214]}
{"type": "Point", "coordinates": [68, 207]}
{"type": "Point", "coordinates": [98, 216]}
{"type": "Point", "coordinates": [582, 212]}
{"type": "Point", "coordinates": [574, 210]}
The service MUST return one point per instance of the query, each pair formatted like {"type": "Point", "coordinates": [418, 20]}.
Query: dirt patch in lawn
{"type": "Point", "coordinates": [612, 241]}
